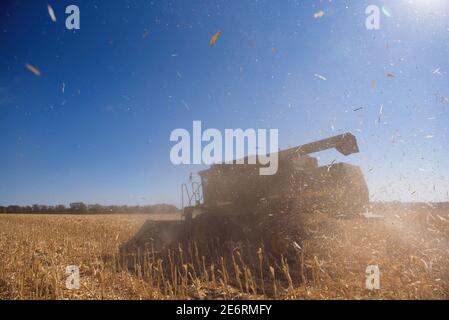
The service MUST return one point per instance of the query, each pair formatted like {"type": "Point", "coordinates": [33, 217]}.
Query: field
{"type": "Point", "coordinates": [410, 247]}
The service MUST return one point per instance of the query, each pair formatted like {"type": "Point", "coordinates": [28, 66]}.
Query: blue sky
{"type": "Point", "coordinates": [136, 70]}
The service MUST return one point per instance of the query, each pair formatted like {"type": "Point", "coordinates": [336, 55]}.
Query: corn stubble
{"type": "Point", "coordinates": [411, 249]}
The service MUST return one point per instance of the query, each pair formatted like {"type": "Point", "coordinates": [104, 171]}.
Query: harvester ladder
{"type": "Point", "coordinates": [193, 195]}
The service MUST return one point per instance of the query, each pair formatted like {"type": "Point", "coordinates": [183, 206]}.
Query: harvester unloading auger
{"type": "Point", "coordinates": [234, 202]}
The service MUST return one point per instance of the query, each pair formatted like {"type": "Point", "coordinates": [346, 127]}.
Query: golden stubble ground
{"type": "Point", "coordinates": [411, 250]}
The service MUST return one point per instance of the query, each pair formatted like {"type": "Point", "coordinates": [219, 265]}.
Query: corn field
{"type": "Point", "coordinates": [411, 250]}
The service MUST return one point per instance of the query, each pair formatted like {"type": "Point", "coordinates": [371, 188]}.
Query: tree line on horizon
{"type": "Point", "coordinates": [82, 208]}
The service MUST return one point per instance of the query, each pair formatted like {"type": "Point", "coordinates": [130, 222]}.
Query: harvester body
{"type": "Point", "coordinates": [239, 189]}
{"type": "Point", "coordinates": [233, 201]}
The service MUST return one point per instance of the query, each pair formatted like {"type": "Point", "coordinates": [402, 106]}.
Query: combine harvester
{"type": "Point", "coordinates": [234, 202]}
